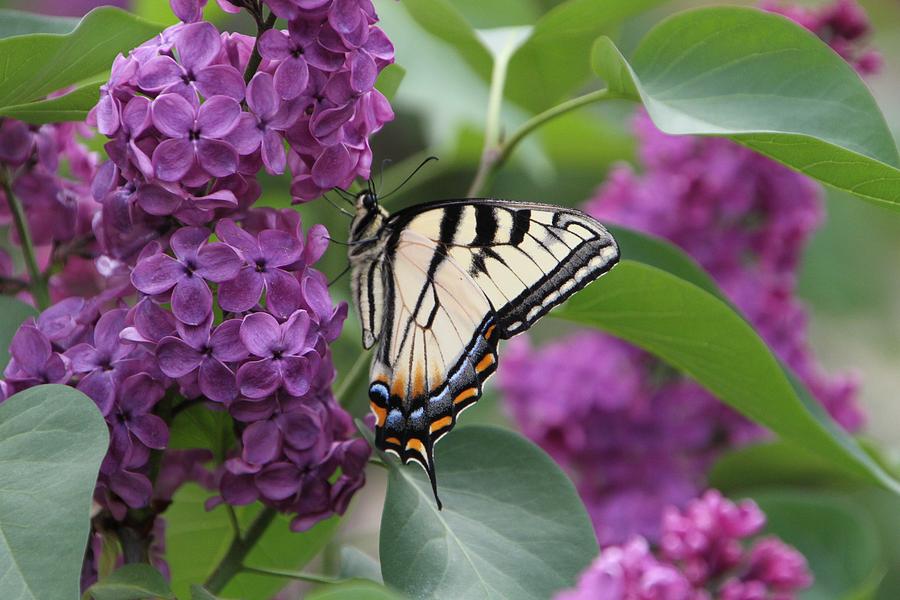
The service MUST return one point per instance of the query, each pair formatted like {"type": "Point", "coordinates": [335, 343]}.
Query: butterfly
{"type": "Point", "coordinates": [439, 284]}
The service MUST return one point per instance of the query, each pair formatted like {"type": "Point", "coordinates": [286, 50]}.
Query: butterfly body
{"type": "Point", "coordinates": [438, 285]}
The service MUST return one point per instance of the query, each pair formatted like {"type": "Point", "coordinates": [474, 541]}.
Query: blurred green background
{"type": "Point", "coordinates": [849, 278]}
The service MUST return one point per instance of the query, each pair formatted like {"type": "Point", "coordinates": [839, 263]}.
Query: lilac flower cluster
{"type": "Point", "coordinates": [702, 555]}
{"type": "Point", "coordinates": [49, 170]}
{"type": "Point", "coordinates": [635, 435]}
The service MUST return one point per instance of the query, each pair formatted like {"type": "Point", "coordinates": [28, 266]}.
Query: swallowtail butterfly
{"type": "Point", "coordinates": [438, 285]}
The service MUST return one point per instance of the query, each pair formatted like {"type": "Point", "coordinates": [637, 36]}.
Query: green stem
{"type": "Point", "coordinates": [492, 123]}
{"type": "Point", "coordinates": [298, 575]}
{"type": "Point", "coordinates": [494, 157]}
{"type": "Point", "coordinates": [37, 284]}
{"type": "Point", "coordinates": [256, 57]}
{"type": "Point", "coordinates": [353, 376]}
{"type": "Point", "coordinates": [235, 525]}
{"type": "Point", "coordinates": [232, 563]}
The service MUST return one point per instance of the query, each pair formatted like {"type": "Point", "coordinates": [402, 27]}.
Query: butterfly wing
{"type": "Point", "coordinates": [458, 276]}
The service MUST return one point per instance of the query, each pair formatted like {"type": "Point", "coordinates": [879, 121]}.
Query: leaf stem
{"type": "Point", "coordinates": [232, 518]}
{"type": "Point", "coordinates": [232, 563]}
{"type": "Point", "coordinates": [495, 156]}
{"type": "Point", "coordinates": [256, 57]}
{"type": "Point", "coordinates": [37, 283]}
{"type": "Point", "coordinates": [298, 575]}
{"type": "Point", "coordinates": [353, 376]}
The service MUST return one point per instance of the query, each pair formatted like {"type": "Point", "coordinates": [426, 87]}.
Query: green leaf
{"type": "Point", "coordinates": [355, 589]}
{"type": "Point", "coordinates": [444, 21]}
{"type": "Point", "coordinates": [197, 539]}
{"type": "Point", "coordinates": [199, 426]}
{"type": "Point", "coordinates": [357, 564]}
{"type": "Point", "coordinates": [132, 582]}
{"type": "Point", "coordinates": [553, 62]}
{"type": "Point", "coordinates": [512, 524]}
{"type": "Point", "coordinates": [41, 63]}
{"type": "Point", "coordinates": [73, 106]}
{"type": "Point", "coordinates": [198, 592]}
{"type": "Point", "coordinates": [700, 334]}
{"type": "Point", "coordinates": [837, 539]}
{"type": "Point", "coordinates": [17, 22]}
{"type": "Point", "coordinates": [766, 83]}
{"type": "Point", "coordinates": [52, 439]}
{"type": "Point", "coordinates": [389, 80]}
{"type": "Point", "coordinates": [14, 314]}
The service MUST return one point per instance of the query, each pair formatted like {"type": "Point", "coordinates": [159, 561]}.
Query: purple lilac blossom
{"type": "Point", "coordinates": [704, 553]}
{"type": "Point", "coordinates": [633, 434]}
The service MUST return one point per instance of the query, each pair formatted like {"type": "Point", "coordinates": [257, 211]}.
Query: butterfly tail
{"type": "Point", "coordinates": [433, 476]}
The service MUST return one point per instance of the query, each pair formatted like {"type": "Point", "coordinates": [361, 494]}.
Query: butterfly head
{"type": "Point", "coordinates": [369, 217]}
{"type": "Point", "coordinates": [366, 201]}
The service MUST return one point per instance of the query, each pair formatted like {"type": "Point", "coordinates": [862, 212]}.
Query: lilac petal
{"type": "Point", "coordinates": [344, 15]}
{"type": "Point", "coordinates": [246, 135]}
{"type": "Point", "coordinates": [57, 369]}
{"type": "Point", "coordinates": [217, 158]}
{"type": "Point", "coordinates": [261, 96]}
{"type": "Point", "coordinates": [99, 387]}
{"type": "Point", "coordinates": [84, 358]}
{"type": "Point", "coordinates": [241, 293]}
{"type": "Point", "coordinates": [278, 481]}
{"type": "Point", "coordinates": [151, 321]}
{"type": "Point", "coordinates": [133, 488]}
{"type": "Point", "coordinates": [282, 292]}
{"type": "Point", "coordinates": [151, 430]}
{"type": "Point", "coordinates": [250, 410]}
{"type": "Point", "coordinates": [176, 358]}
{"type": "Point", "coordinates": [275, 45]}
{"type": "Point", "coordinates": [300, 429]}
{"type": "Point", "coordinates": [294, 332]}
{"type": "Point", "coordinates": [218, 262]}
{"type": "Point", "coordinates": [331, 330]}
{"type": "Point", "coordinates": [315, 294]}
{"type": "Point", "coordinates": [228, 7]}
{"type": "Point", "coordinates": [258, 379]}
{"type": "Point", "coordinates": [187, 11]}
{"type": "Point", "coordinates": [260, 333]}
{"type": "Point", "coordinates": [328, 121]}
{"type": "Point", "coordinates": [237, 238]}
{"type": "Point", "coordinates": [187, 241]}
{"type": "Point", "coordinates": [136, 115]}
{"type": "Point", "coordinates": [106, 178]}
{"type": "Point", "coordinates": [158, 73]}
{"type": "Point", "coordinates": [273, 154]}
{"type": "Point", "coordinates": [156, 200]}
{"type": "Point", "coordinates": [320, 57]}
{"type": "Point", "coordinates": [195, 336]}
{"type": "Point", "coordinates": [218, 116]}
{"type": "Point", "coordinates": [221, 80]}
{"type": "Point", "coordinates": [279, 247]}
{"type": "Point", "coordinates": [30, 349]}
{"type": "Point", "coordinates": [379, 46]}
{"type": "Point", "coordinates": [172, 159]}
{"type": "Point", "coordinates": [156, 274]}
{"type": "Point", "coordinates": [107, 115]}
{"type": "Point", "coordinates": [226, 341]}
{"type": "Point", "coordinates": [238, 490]}
{"type": "Point", "coordinates": [331, 168]}
{"type": "Point", "coordinates": [295, 373]}
{"type": "Point", "coordinates": [363, 71]}
{"type": "Point", "coordinates": [291, 77]}
{"type": "Point", "coordinates": [217, 382]}
{"type": "Point", "coordinates": [140, 159]}
{"type": "Point", "coordinates": [316, 243]}
{"type": "Point", "coordinates": [220, 199]}
{"type": "Point", "coordinates": [139, 393]}
{"type": "Point", "coordinates": [198, 45]}
{"type": "Point", "coordinates": [191, 300]}
{"type": "Point", "coordinates": [173, 115]}
{"type": "Point", "coordinates": [262, 443]}
{"type": "Point", "coordinates": [106, 332]}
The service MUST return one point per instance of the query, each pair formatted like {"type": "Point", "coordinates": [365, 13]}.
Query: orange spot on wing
{"type": "Point", "coordinates": [489, 332]}
{"type": "Point", "coordinates": [418, 387]}
{"type": "Point", "coordinates": [392, 440]}
{"type": "Point", "coordinates": [465, 395]}
{"type": "Point", "coordinates": [484, 363]}
{"type": "Point", "coordinates": [398, 388]}
{"type": "Point", "coordinates": [380, 414]}
{"type": "Point", "coordinates": [417, 445]}
{"type": "Point", "coordinates": [440, 424]}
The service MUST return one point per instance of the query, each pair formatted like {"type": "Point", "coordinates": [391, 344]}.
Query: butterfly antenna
{"type": "Point", "coordinates": [331, 202]}
{"type": "Point", "coordinates": [384, 163]}
{"type": "Point", "coordinates": [411, 175]}
{"type": "Point", "coordinates": [344, 195]}
{"type": "Point", "coordinates": [336, 279]}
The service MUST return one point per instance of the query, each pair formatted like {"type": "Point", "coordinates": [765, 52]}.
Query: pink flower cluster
{"type": "Point", "coordinates": [634, 434]}
{"type": "Point", "coordinates": [703, 554]}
